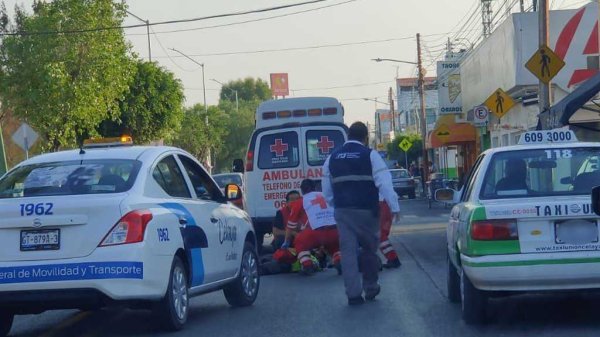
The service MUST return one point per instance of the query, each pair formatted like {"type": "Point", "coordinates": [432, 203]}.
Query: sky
{"type": "Point", "coordinates": [312, 72]}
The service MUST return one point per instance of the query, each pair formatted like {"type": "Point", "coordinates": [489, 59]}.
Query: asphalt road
{"type": "Point", "coordinates": [412, 303]}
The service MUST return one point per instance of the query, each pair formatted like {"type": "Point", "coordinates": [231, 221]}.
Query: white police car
{"type": "Point", "coordinates": [523, 221]}
{"type": "Point", "coordinates": [141, 226]}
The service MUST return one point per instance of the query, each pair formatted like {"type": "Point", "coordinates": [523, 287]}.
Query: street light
{"type": "Point", "coordinates": [147, 32]}
{"type": "Point", "coordinates": [209, 162]}
{"type": "Point", "coordinates": [237, 104]}
{"type": "Point", "coordinates": [376, 101]}
{"type": "Point", "coordinates": [421, 85]}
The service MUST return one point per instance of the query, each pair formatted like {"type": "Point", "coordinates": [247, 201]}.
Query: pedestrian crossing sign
{"type": "Point", "coordinates": [405, 145]}
{"type": "Point", "coordinates": [545, 64]}
{"type": "Point", "coordinates": [499, 103]}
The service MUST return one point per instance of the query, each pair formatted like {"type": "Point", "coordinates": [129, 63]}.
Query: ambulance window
{"type": "Point", "coordinates": [168, 175]}
{"type": "Point", "coordinates": [279, 150]}
{"type": "Point", "coordinates": [321, 143]}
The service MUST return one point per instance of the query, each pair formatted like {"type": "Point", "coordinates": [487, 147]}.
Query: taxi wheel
{"type": "Point", "coordinates": [6, 321]}
{"type": "Point", "coordinates": [474, 302]}
{"type": "Point", "coordinates": [174, 307]}
{"type": "Point", "coordinates": [453, 283]}
{"type": "Point", "coordinates": [244, 290]}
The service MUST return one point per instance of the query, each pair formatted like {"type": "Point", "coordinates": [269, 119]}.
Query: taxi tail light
{"type": "Point", "coordinates": [494, 230]}
{"type": "Point", "coordinates": [129, 229]}
{"type": "Point", "coordinates": [250, 161]}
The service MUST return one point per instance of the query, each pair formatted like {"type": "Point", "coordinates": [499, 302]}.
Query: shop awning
{"type": "Point", "coordinates": [448, 132]}
{"type": "Point", "coordinates": [574, 101]}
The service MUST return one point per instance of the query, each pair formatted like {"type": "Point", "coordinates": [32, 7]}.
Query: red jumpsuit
{"type": "Point", "coordinates": [385, 224]}
{"type": "Point", "coordinates": [324, 236]}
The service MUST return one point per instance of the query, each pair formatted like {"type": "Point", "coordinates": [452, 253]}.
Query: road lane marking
{"type": "Point", "coordinates": [418, 228]}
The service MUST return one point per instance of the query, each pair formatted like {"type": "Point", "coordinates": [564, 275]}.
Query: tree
{"type": "Point", "coordinates": [64, 84]}
{"type": "Point", "coordinates": [153, 107]}
{"type": "Point", "coordinates": [395, 153]}
{"type": "Point", "coordinates": [196, 137]}
{"type": "Point", "coordinates": [240, 122]}
{"type": "Point", "coordinates": [248, 89]}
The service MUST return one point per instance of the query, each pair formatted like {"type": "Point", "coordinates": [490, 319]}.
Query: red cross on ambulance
{"type": "Point", "coordinates": [279, 147]}
{"type": "Point", "coordinates": [325, 145]}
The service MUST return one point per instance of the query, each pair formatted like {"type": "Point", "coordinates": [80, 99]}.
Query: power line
{"type": "Point", "coordinates": [344, 86]}
{"type": "Point", "coordinates": [169, 56]}
{"type": "Point", "coordinates": [297, 48]}
{"type": "Point", "coordinates": [475, 7]}
{"type": "Point", "coordinates": [250, 21]}
{"type": "Point", "coordinates": [216, 16]}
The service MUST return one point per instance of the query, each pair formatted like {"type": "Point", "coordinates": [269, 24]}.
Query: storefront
{"type": "Point", "coordinates": [453, 145]}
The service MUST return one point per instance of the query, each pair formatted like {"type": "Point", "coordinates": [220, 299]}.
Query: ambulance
{"type": "Point", "coordinates": [524, 222]}
{"type": "Point", "coordinates": [292, 139]}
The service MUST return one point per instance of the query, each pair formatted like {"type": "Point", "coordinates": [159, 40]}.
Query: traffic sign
{"type": "Point", "coordinates": [480, 115]}
{"type": "Point", "coordinates": [25, 137]}
{"type": "Point", "coordinates": [405, 145]}
{"type": "Point", "coordinates": [499, 103]}
{"type": "Point", "coordinates": [545, 64]}
{"type": "Point", "coordinates": [442, 132]}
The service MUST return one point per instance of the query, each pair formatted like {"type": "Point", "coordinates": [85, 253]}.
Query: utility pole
{"type": "Point", "coordinates": [147, 22]}
{"type": "Point", "coordinates": [421, 85]}
{"type": "Point", "coordinates": [208, 156]}
{"type": "Point", "coordinates": [545, 94]}
{"type": "Point", "coordinates": [392, 110]}
{"type": "Point", "coordinates": [486, 17]}
{"type": "Point", "coordinates": [522, 5]}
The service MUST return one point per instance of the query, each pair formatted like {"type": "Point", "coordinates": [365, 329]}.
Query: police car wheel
{"type": "Point", "coordinates": [474, 302]}
{"type": "Point", "coordinates": [6, 321]}
{"type": "Point", "coordinates": [173, 309]}
{"type": "Point", "coordinates": [453, 283]}
{"type": "Point", "coordinates": [244, 289]}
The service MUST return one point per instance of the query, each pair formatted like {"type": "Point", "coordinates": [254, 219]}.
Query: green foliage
{"type": "Point", "coordinates": [248, 89]}
{"type": "Point", "coordinates": [239, 128]}
{"type": "Point", "coordinates": [64, 85]}
{"type": "Point", "coordinates": [196, 137]}
{"type": "Point", "coordinates": [153, 108]}
{"type": "Point", "coordinates": [415, 152]}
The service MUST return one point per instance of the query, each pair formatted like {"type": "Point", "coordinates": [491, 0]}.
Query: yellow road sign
{"type": "Point", "coordinates": [442, 132]}
{"type": "Point", "coordinates": [405, 145]}
{"type": "Point", "coordinates": [499, 103]}
{"type": "Point", "coordinates": [545, 64]}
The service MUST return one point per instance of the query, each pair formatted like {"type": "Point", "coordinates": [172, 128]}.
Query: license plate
{"type": "Point", "coordinates": [576, 232]}
{"type": "Point", "coordinates": [42, 239]}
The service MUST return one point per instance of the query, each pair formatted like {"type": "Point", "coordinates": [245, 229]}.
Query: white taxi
{"type": "Point", "coordinates": [141, 226]}
{"type": "Point", "coordinates": [524, 222]}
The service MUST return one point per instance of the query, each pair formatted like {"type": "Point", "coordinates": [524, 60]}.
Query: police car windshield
{"type": "Point", "coordinates": [69, 178]}
{"type": "Point", "coordinates": [396, 174]}
{"type": "Point", "coordinates": [540, 173]}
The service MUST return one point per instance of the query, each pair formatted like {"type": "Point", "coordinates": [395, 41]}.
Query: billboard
{"type": "Point", "coordinates": [449, 91]}
{"type": "Point", "coordinates": [279, 84]}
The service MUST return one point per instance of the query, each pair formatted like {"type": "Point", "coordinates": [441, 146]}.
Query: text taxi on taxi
{"type": "Point", "coordinates": [141, 226]}
{"type": "Point", "coordinates": [523, 222]}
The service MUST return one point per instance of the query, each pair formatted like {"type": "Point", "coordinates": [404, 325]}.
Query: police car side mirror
{"type": "Point", "coordinates": [447, 195]}
{"type": "Point", "coordinates": [596, 200]}
{"type": "Point", "coordinates": [233, 192]}
{"type": "Point", "coordinates": [238, 166]}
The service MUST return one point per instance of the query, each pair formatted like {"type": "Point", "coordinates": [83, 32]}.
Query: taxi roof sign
{"type": "Point", "coordinates": [548, 137]}
{"type": "Point", "coordinates": [107, 142]}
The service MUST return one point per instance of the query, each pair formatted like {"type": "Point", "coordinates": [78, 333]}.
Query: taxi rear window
{"type": "Point", "coordinates": [541, 173]}
{"type": "Point", "coordinates": [70, 178]}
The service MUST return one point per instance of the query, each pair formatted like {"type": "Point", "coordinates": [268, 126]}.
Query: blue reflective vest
{"type": "Point", "coordinates": [352, 178]}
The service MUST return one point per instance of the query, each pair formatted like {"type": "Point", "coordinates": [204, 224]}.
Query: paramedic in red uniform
{"type": "Point", "coordinates": [385, 224]}
{"type": "Point", "coordinates": [281, 218]}
{"type": "Point", "coordinates": [320, 229]}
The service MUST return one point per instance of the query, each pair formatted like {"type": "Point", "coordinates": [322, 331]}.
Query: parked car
{"type": "Point", "coordinates": [222, 179]}
{"type": "Point", "coordinates": [404, 183]}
